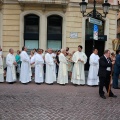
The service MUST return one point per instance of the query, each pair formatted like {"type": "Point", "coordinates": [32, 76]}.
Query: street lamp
{"type": "Point", "coordinates": [94, 13]}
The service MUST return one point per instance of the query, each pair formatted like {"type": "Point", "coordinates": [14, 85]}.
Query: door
{"type": "Point", "coordinates": [100, 45]}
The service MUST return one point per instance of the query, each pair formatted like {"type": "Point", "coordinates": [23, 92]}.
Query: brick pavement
{"type": "Point", "coordinates": [56, 102]}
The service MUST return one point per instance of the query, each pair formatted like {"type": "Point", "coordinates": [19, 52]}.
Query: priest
{"type": "Point", "coordinates": [50, 68]}
{"type": "Point", "coordinates": [78, 75]}
{"type": "Point", "coordinates": [1, 67]}
{"type": "Point", "coordinates": [62, 73]}
{"type": "Point", "coordinates": [93, 78]}
{"type": "Point", "coordinates": [25, 74]}
{"type": "Point", "coordinates": [39, 62]}
{"type": "Point", "coordinates": [11, 63]}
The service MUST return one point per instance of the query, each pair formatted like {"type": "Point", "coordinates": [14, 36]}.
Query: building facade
{"type": "Point", "coordinates": [53, 24]}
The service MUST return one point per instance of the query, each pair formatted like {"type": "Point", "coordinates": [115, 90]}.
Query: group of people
{"type": "Point", "coordinates": [60, 66]}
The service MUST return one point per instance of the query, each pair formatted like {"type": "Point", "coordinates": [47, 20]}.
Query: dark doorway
{"type": "Point", "coordinates": [100, 45]}
{"type": "Point", "coordinates": [54, 32]}
{"type": "Point", "coordinates": [31, 31]}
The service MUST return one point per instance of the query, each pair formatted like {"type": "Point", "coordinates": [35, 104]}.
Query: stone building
{"type": "Point", "coordinates": [53, 24]}
{"type": "Point", "coordinates": [118, 22]}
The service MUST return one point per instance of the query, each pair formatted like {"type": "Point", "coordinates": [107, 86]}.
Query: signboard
{"type": "Point", "coordinates": [95, 21]}
{"type": "Point", "coordinates": [73, 35]}
{"type": "Point", "coordinates": [95, 32]}
{"type": "Point", "coordinates": [100, 37]}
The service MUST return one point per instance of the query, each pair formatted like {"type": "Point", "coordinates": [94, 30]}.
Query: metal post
{"type": "Point", "coordinates": [94, 16]}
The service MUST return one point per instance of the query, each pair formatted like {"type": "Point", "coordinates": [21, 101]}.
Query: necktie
{"type": "Point", "coordinates": [108, 60]}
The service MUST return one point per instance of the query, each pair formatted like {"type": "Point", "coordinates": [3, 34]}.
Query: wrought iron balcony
{"type": "Point", "coordinates": [58, 2]}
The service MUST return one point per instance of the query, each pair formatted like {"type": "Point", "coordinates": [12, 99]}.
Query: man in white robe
{"type": "Point", "coordinates": [78, 74]}
{"type": "Point", "coordinates": [11, 62]}
{"type": "Point", "coordinates": [54, 58]}
{"type": "Point", "coordinates": [62, 72]}
{"type": "Point", "coordinates": [39, 62]}
{"type": "Point", "coordinates": [50, 68]}
{"type": "Point", "coordinates": [93, 78]}
{"type": "Point", "coordinates": [1, 67]}
{"type": "Point", "coordinates": [1, 70]}
{"type": "Point", "coordinates": [25, 73]}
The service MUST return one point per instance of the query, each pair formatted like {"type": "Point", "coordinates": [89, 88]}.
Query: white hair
{"type": "Point", "coordinates": [62, 50]}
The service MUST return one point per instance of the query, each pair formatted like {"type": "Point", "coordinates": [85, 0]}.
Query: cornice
{"type": "Point", "coordinates": [71, 4]}
{"type": "Point", "coordinates": [98, 6]}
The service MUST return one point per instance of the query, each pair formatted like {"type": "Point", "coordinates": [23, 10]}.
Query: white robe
{"type": "Point", "coordinates": [93, 78]}
{"type": "Point", "coordinates": [50, 69]}
{"type": "Point", "coordinates": [11, 72]}
{"type": "Point", "coordinates": [1, 70]}
{"type": "Point", "coordinates": [38, 59]}
{"type": "Point", "coordinates": [78, 73]}
{"type": "Point", "coordinates": [25, 73]}
{"type": "Point", "coordinates": [54, 58]}
{"type": "Point", "coordinates": [62, 73]}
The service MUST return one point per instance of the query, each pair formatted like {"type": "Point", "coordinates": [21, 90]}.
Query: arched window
{"type": "Point", "coordinates": [31, 31]}
{"type": "Point", "coordinates": [54, 32]}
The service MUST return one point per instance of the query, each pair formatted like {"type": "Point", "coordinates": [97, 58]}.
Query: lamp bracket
{"type": "Point", "coordinates": [98, 15]}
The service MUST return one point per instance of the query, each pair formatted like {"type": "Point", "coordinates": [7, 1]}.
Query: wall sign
{"type": "Point", "coordinates": [73, 35]}
{"type": "Point", "coordinates": [100, 37]}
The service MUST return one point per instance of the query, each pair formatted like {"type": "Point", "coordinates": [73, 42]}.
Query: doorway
{"type": "Point", "coordinates": [100, 45]}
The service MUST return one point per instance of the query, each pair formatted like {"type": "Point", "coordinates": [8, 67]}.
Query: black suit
{"type": "Point", "coordinates": [104, 74]}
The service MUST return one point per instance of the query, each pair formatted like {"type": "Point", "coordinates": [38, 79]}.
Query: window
{"type": "Point", "coordinates": [31, 31]}
{"type": "Point", "coordinates": [118, 22]}
{"type": "Point", "coordinates": [54, 32]}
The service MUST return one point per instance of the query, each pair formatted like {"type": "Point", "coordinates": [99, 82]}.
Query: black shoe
{"type": "Point", "coordinates": [102, 96]}
{"type": "Point", "coordinates": [75, 85]}
{"type": "Point", "coordinates": [38, 83]}
{"type": "Point", "coordinates": [113, 96]}
{"type": "Point", "coordinates": [11, 82]}
{"type": "Point", "coordinates": [25, 83]}
{"type": "Point", "coordinates": [62, 84]}
{"type": "Point", "coordinates": [116, 87]}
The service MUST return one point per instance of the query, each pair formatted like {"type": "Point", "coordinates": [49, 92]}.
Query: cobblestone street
{"type": "Point", "coordinates": [56, 102]}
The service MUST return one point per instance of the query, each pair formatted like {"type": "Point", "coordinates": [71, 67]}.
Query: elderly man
{"type": "Point", "coordinates": [62, 73]}
{"type": "Point", "coordinates": [104, 73]}
{"type": "Point", "coordinates": [78, 75]}
{"type": "Point", "coordinates": [11, 62]}
{"type": "Point", "coordinates": [93, 79]}
{"type": "Point", "coordinates": [50, 68]}
{"type": "Point", "coordinates": [39, 62]}
{"type": "Point", "coordinates": [25, 74]}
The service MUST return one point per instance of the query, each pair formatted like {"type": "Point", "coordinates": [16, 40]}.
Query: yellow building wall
{"type": "Point", "coordinates": [73, 24]}
{"type": "Point", "coordinates": [11, 25]}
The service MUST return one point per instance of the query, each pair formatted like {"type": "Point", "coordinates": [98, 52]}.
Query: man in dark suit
{"type": "Point", "coordinates": [116, 71]}
{"type": "Point", "coordinates": [105, 67]}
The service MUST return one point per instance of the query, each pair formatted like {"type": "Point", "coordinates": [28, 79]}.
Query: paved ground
{"type": "Point", "coordinates": [56, 102]}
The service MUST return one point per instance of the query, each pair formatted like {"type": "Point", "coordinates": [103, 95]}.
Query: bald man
{"type": "Point", "coordinates": [11, 62]}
